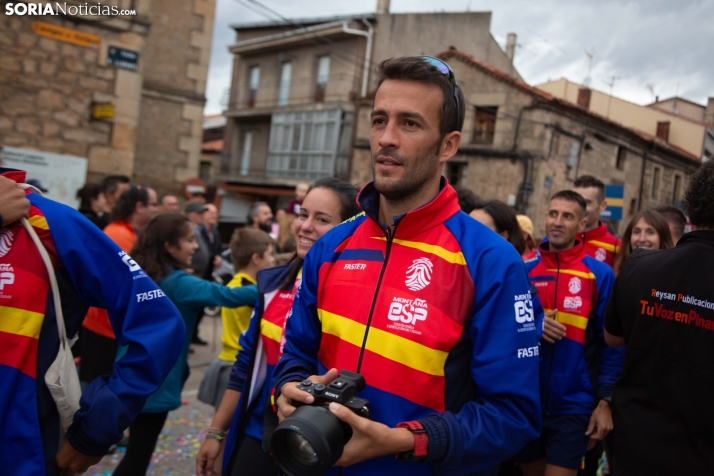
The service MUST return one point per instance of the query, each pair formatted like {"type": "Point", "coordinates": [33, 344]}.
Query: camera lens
{"type": "Point", "coordinates": [309, 442]}
{"type": "Point", "coordinates": [301, 450]}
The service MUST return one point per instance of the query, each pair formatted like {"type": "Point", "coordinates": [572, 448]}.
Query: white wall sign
{"type": "Point", "coordinates": [61, 175]}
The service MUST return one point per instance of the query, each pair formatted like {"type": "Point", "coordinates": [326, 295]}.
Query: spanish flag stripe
{"type": "Point", "coordinates": [446, 255]}
{"type": "Point", "coordinates": [572, 319]}
{"type": "Point", "coordinates": [605, 246]}
{"type": "Point", "coordinates": [38, 221]}
{"type": "Point", "coordinates": [378, 371]}
{"type": "Point", "coordinates": [271, 331]}
{"type": "Point", "coordinates": [386, 344]}
{"type": "Point", "coordinates": [21, 322]}
{"type": "Point", "coordinates": [580, 274]}
{"type": "Point", "coordinates": [19, 352]}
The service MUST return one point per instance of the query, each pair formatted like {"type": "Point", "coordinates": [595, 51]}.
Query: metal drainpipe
{"type": "Point", "coordinates": [368, 54]}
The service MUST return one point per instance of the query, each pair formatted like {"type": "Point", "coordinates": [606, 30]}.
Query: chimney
{"type": "Point", "coordinates": [383, 6]}
{"type": "Point", "coordinates": [709, 113]}
{"type": "Point", "coordinates": [511, 46]}
{"type": "Point", "coordinates": [663, 130]}
{"type": "Point", "coordinates": [584, 98]}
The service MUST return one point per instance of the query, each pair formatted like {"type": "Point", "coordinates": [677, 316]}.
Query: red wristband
{"type": "Point", "coordinates": [421, 441]}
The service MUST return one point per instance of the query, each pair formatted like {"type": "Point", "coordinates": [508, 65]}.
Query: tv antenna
{"type": "Point", "coordinates": [611, 83]}
{"type": "Point", "coordinates": [590, 54]}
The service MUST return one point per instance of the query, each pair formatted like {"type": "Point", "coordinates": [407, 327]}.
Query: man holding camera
{"type": "Point", "coordinates": [428, 305]}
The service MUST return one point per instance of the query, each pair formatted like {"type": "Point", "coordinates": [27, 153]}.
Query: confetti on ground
{"type": "Point", "coordinates": [177, 447]}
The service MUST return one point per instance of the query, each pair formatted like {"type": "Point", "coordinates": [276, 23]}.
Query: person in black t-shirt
{"type": "Point", "coordinates": [662, 312]}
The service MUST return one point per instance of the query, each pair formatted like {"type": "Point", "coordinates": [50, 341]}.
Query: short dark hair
{"type": "Point", "coordinates": [571, 196]}
{"type": "Point", "coordinates": [344, 191]}
{"type": "Point", "coordinates": [586, 181]}
{"type": "Point", "coordinates": [246, 242]}
{"type": "Point", "coordinates": [414, 68]}
{"type": "Point", "coordinates": [699, 197]}
{"type": "Point", "coordinates": [86, 194]}
{"type": "Point", "coordinates": [674, 217]}
{"type": "Point", "coordinates": [467, 199]}
{"type": "Point", "coordinates": [126, 205]}
{"type": "Point", "coordinates": [505, 220]}
{"type": "Point", "coordinates": [111, 182]}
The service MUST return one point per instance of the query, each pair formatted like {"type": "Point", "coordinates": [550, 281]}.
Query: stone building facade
{"type": "Point", "coordinates": [291, 111]}
{"type": "Point", "coordinates": [520, 145]}
{"type": "Point", "coordinates": [48, 87]}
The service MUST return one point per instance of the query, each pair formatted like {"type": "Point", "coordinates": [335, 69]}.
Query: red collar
{"type": "Point", "coordinates": [596, 233]}
{"type": "Point", "coordinates": [417, 221]}
{"type": "Point", "coordinates": [561, 259]}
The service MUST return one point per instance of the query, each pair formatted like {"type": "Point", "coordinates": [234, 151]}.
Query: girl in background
{"type": "Point", "coordinates": [164, 251]}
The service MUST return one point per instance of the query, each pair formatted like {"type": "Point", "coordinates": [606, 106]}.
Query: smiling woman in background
{"type": "Point", "coordinates": [647, 229]}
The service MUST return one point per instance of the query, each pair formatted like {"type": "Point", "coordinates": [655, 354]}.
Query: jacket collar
{"type": "Point", "coordinates": [562, 259]}
{"type": "Point", "coordinates": [437, 211]}
{"type": "Point", "coordinates": [703, 235]}
{"type": "Point", "coordinates": [596, 233]}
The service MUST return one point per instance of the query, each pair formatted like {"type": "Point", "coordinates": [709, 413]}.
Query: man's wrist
{"type": "Point", "coordinates": [605, 401]}
{"type": "Point", "coordinates": [401, 440]}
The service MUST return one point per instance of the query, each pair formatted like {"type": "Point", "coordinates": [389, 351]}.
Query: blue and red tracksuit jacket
{"type": "Point", "coordinates": [436, 314]}
{"type": "Point", "coordinates": [600, 244]}
{"type": "Point", "coordinates": [260, 348]}
{"type": "Point", "coordinates": [91, 271]}
{"type": "Point", "coordinates": [578, 370]}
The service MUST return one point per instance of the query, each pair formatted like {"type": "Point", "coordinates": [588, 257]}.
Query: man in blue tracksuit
{"type": "Point", "coordinates": [90, 271]}
{"type": "Point", "coordinates": [429, 305]}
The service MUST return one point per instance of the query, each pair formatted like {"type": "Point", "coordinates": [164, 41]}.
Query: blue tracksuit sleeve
{"type": "Point", "coordinates": [143, 319]}
{"type": "Point", "coordinates": [506, 413]}
{"type": "Point", "coordinates": [611, 358]}
{"type": "Point", "coordinates": [198, 293]}
{"type": "Point", "coordinates": [303, 328]}
{"type": "Point", "coordinates": [241, 366]}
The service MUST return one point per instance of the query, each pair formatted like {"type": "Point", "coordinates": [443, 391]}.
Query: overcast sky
{"type": "Point", "coordinates": [659, 45]}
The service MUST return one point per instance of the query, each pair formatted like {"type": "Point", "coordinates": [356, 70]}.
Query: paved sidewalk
{"type": "Point", "coordinates": [183, 433]}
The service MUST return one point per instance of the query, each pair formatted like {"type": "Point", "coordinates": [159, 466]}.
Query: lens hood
{"type": "Point", "coordinates": [309, 441]}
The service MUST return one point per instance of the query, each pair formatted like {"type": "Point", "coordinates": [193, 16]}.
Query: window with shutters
{"type": "Point", "coordinates": [484, 124]}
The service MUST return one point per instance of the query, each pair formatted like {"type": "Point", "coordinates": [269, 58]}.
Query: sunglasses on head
{"type": "Point", "coordinates": [446, 70]}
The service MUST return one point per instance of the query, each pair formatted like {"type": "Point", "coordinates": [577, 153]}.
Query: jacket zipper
{"type": "Point", "coordinates": [552, 353]}
{"type": "Point", "coordinates": [390, 236]}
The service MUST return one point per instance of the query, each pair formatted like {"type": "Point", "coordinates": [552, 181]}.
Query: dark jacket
{"type": "Point", "coordinates": [663, 306]}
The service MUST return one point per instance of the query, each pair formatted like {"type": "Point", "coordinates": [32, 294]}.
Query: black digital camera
{"type": "Point", "coordinates": [342, 390]}
{"type": "Point", "coordinates": [311, 440]}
